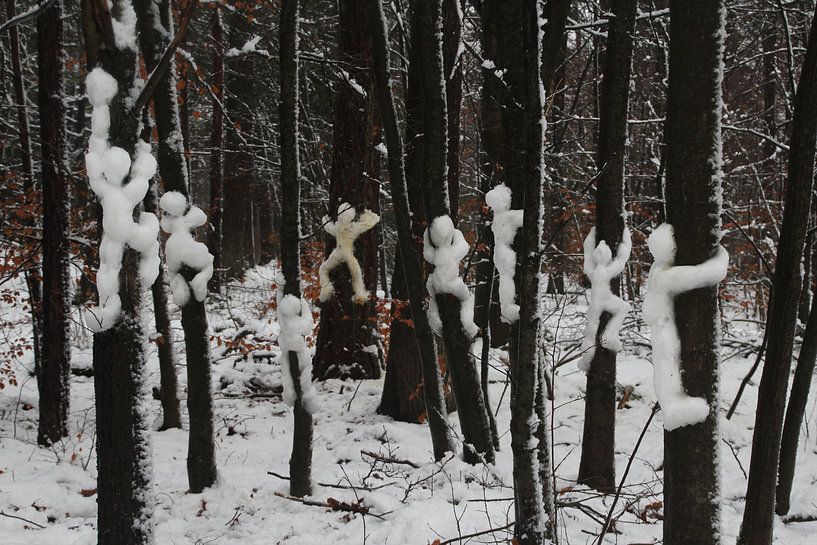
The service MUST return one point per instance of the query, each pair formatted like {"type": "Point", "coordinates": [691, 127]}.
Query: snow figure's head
{"type": "Point", "coordinates": [177, 217]}
{"type": "Point", "coordinates": [173, 203]}
{"type": "Point", "coordinates": [101, 87]}
{"type": "Point", "coordinates": [602, 255]}
{"type": "Point", "coordinates": [499, 198]}
{"type": "Point", "coordinates": [441, 232]}
{"type": "Point", "coordinates": [116, 165]}
{"type": "Point", "coordinates": [662, 244]}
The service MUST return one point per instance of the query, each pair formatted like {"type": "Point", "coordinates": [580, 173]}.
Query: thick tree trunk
{"type": "Point", "coordinates": [597, 468]}
{"type": "Point", "coordinates": [693, 192]}
{"type": "Point", "coordinates": [348, 344]}
{"type": "Point", "coordinates": [54, 370]}
{"type": "Point", "coordinates": [412, 267]}
{"type": "Point", "coordinates": [758, 517]}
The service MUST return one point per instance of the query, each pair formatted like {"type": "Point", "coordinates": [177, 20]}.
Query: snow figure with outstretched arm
{"type": "Point", "coordinates": [346, 230]}
{"type": "Point", "coordinates": [505, 225]}
{"type": "Point", "coordinates": [107, 167]}
{"type": "Point", "coordinates": [183, 250]}
{"type": "Point", "coordinates": [601, 268]}
{"type": "Point", "coordinates": [665, 282]}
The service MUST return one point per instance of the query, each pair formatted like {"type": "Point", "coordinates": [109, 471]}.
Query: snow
{"type": "Point", "coordinates": [106, 168]}
{"type": "Point", "coordinates": [444, 246]}
{"type": "Point", "coordinates": [182, 249]}
{"type": "Point", "coordinates": [295, 321]}
{"type": "Point", "coordinates": [601, 269]}
{"type": "Point", "coordinates": [505, 225]}
{"type": "Point", "coordinates": [124, 28]}
{"type": "Point", "coordinates": [346, 230]}
{"type": "Point", "coordinates": [664, 283]}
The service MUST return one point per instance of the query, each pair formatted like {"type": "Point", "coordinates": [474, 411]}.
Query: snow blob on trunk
{"type": "Point", "coordinates": [182, 250]}
{"type": "Point", "coordinates": [601, 268]}
{"type": "Point", "coordinates": [664, 283]}
{"type": "Point", "coordinates": [295, 322]}
{"type": "Point", "coordinates": [444, 247]}
{"type": "Point", "coordinates": [506, 223]}
{"type": "Point", "coordinates": [346, 229]}
{"type": "Point", "coordinates": [107, 167]}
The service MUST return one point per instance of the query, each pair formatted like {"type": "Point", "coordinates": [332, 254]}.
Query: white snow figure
{"type": "Point", "coordinates": [506, 223]}
{"type": "Point", "coordinates": [346, 229]}
{"type": "Point", "coordinates": [444, 247]}
{"type": "Point", "coordinates": [182, 249]}
{"type": "Point", "coordinates": [664, 283]}
{"type": "Point", "coordinates": [601, 268]}
{"type": "Point", "coordinates": [295, 322]}
{"type": "Point", "coordinates": [107, 167]}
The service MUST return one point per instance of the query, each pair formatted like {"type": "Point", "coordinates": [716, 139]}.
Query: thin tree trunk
{"type": "Point", "coordinates": [693, 192]}
{"type": "Point", "coordinates": [215, 238]}
{"type": "Point", "coordinates": [758, 517]}
{"type": "Point", "coordinates": [597, 468]}
{"type": "Point", "coordinates": [412, 267]}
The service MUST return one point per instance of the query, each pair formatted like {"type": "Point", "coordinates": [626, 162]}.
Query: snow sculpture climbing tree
{"type": "Point", "coordinates": [505, 224]}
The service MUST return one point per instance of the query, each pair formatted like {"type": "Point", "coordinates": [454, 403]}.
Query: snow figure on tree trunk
{"type": "Point", "coordinates": [601, 268]}
{"type": "Point", "coordinates": [295, 321]}
{"type": "Point", "coordinates": [505, 225]}
{"type": "Point", "coordinates": [444, 247]}
{"type": "Point", "coordinates": [183, 250]}
{"type": "Point", "coordinates": [664, 283]}
{"type": "Point", "coordinates": [346, 229]}
{"type": "Point", "coordinates": [107, 167]}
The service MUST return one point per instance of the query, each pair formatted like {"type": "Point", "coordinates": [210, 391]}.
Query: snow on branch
{"type": "Point", "coordinates": [179, 219]}
{"type": "Point", "coordinates": [601, 268]}
{"type": "Point", "coordinates": [295, 322]}
{"type": "Point", "coordinates": [107, 167]}
{"type": "Point", "coordinates": [506, 223]}
{"type": "Point", "coordinates": [444, 247]}
{"type": "Point", "coordinates": [346, 229]}
{"type": "Point", "coordinates": [664, 283]}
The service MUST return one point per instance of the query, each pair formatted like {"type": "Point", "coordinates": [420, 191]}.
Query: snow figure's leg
{"type": "Point", "coordinates": [618, 310]}
{"type": "Point", "coordinates": [589, 341]}
{"type": "Point", "coordinates": [359, 292]}
{"type": "Point", "coordinates": [678, 408]}
{"type": "Point", "coordinates": [327, 288]}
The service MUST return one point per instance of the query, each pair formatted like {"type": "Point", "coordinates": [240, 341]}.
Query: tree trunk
{"type": "Point", "coordinates": [597, 468]}
{"type": "Point", "coordinates": [215, 237]}
{"type": "Point", "coordinates": [411, 264]}
{"type": "Point", "coordinates": [758, 517]}
{"type": "Point", "coordinates": [693, 192]}
{"type": "Point", "coordinates": [348, 344]}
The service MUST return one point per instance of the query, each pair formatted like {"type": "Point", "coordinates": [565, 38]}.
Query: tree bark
{"type": "Point", "coordinates": [412, 267]}
{"type": "Point", "coordinates": [693, 192]}
{"type": "Point", "coordinates": [597, 467]}
{"type": "Point", "coordinates": [215, 237]}
{"type": "Point", "coordinates": [758, 517]}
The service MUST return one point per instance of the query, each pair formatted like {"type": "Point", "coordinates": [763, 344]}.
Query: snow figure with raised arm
{"type": "Point", "coordinates": [505, 225]}
{"type": "Point", "coordinates": [601, 268]}
{"type": "Point", "coordinates": [346, 230]}
{"type": "Point", "coordinates": [182, 250]}
{"type": "Point", "coordinates": [444, 246]}
{"type": "Point", "coordinates": [665, 282]}
{"type": "Point", "coordinates": [295, 321]}
{"type": "Point", "coordinates": [107, 168]}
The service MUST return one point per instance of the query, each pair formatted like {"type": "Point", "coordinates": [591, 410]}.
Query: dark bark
{"type": "Point", "coordinates": [53, 378]}
{"type": "Point", "coordinates": [693, 189]}
{"type": "Point", "coordinates": [215, 238]}
{"type": "Point", "coordinates": [348, 330]}
{"type": "Point", "coordinates": [412, 267]}
{"type": "Point", "coordinates": [300, 462]}
{"type": "Point", "coordinates": [452, 73]}
{"type": "Point", "coordinates": [758, 518]}
{"type": "Point", "coordinates": [597, 467]}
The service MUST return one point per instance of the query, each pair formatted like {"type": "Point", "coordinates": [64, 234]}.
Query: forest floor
{"type": "Point", "coordinates": [47, 496]}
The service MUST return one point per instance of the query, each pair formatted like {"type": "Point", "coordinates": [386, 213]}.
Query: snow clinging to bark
{"type": "Point", "coordinates": [346, 229]}
{"type": "Point", "coordinates": [183, 250]}
{"type": "Point", "coordinates": [107, 167]}
{"type": "Point", "coordinates": [444, 247]}
{"type": "Point", "coordinates": [295, 322]}
{"type": "Point", "coordinates": [601, 268]}
{"type": "Point", "coordinates": [505, 225]}
{"type": "Point", "coordinates": [664, 283]}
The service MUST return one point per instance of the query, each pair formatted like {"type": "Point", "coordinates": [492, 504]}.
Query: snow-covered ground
{"type": "Point", "coordinates": [48, 495]}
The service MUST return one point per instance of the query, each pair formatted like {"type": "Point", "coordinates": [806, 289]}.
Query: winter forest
{"type": "Point", "coordinates": [408, 272]}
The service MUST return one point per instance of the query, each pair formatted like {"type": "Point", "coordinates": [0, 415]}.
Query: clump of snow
{"type": "Point", "coordinates": [182, 249]}
{"type": "Point", "coordinates": [107, 167]}
{"type": "Point", "coordinates": [124, 28]}
{"type": "Point", "coordinates": [295, 322]}
{"type": "Point", "coordinates": [444, 247]}
{"type": "Point", "coordinates": [664, 283]}
{"type": "Point", "coordinates": [346, 229]}
{"type": "Point", "coordinates": [506, 223]}
{"type": "Point", "coordinates": [601, 268]}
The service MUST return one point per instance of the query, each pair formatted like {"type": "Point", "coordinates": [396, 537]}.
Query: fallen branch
{"type": "Point", "coordinates": [389, 459]}
{"type": "Point", "coordinates": [334, 505]}
{"type": "Point", "coordinates": [4, 514]}
{"type": "Point", "coordinates": [475, 534]}
{"type": "Point", "coordinates": [337, 485]}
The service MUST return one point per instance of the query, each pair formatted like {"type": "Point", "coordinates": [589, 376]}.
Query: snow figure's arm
{"type": "Point", "coordinates": [145, 241]}
{"type": "Point", "coordinates": [142, 170]}
{"type": "Point", "coordinates": [684, 278]}
{"type": "Point", "coordinates": [295, 322]}
{"type": "Point", "coordinates": [366, 221]}
{"type": "Point", "coordinates": [589, 248]}
{"type": "Point", "coordinates": [625, 247]}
